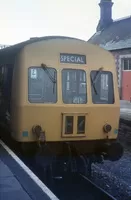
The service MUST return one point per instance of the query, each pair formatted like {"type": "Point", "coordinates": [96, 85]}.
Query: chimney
{"type": "Point", "coordinates": [105, 14]}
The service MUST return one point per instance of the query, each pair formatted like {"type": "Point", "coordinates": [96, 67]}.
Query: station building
{"type": "Point", "coordinates": [115, 36]}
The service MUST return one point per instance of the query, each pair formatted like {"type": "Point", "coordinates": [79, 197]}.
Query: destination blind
{"type": "Point", "coordinates": [72, 58]}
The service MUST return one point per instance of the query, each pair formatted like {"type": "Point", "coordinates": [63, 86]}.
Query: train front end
{"type": "Point", "coordinates": [69, 100]}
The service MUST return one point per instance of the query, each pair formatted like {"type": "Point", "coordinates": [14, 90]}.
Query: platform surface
{"type": "Point", "coordinates": [125, 110]}
{"type": "Point", "coordinates": [10, 187]}
{"type": "Point", "coordinates": [125, 104]}
{"type": "Point", "coordinates": [16, 183]}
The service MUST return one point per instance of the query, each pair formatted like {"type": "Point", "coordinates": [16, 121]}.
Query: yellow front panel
{"type": "Point", "coordinates": [50, 116]}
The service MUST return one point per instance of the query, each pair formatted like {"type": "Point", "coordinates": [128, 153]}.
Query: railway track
{"type": "Point", "coordinates": [74, 186]}
{"type": "Point", "coordinates": [79, 188]}
{"type": "Point", "coordinates": [126, 123]}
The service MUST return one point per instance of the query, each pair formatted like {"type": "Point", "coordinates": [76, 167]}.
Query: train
{"type": "Point", "coordinates": [61, 94]}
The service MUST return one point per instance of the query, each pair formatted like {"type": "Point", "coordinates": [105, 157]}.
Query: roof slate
{"type": "Point", "coordinates": [116, 36]}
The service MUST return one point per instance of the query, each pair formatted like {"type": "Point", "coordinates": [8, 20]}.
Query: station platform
{"type": "Point", "coordinates": [17, 181]}
{"type": "Point", "coordinates": [125, 110]}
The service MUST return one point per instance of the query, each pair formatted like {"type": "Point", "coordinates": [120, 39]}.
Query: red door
{"type": "Point", "coordinates": [126, 85]}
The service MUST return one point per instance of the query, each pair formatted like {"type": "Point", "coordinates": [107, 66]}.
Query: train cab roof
{"type": "Point", "coordinates": [8, 54]}
{"type": "Point", "coordinates": [15, 48]}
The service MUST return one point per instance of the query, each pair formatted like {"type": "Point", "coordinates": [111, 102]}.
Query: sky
{"type": "Point", "coordinates": [21, 20]}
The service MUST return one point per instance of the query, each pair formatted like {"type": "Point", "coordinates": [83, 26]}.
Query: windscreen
{"type": "Point", "coordinates": [42, 85]}
{"type": "Point", "coordinates": [74, 86]}
{"type": "Point", "coordinates": [102, 87]}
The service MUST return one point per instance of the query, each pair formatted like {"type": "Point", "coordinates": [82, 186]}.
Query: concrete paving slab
{"type": "Point", "coordinates": [11, 189]}
{"type": "Point", "coordinates": [5, 171]}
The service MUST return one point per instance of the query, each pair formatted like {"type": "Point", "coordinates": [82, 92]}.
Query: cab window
{"type": "Point", "coordinates": [74, 86]}
{"type": "Point", "coordinates": [42, 85]}
{"type": "Point", "coordinates": [102, 87]}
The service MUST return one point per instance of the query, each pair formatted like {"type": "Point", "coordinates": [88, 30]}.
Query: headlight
{"type": "Point", "coordinates": [107, 128]}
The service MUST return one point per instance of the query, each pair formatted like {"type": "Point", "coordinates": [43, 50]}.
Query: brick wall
{"type": "Point", "coordinates": [117, 55]}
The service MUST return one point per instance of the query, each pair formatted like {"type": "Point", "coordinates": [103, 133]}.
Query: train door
{"type": "Point", "coordinates": [126, 79]}
{"type": "Point", "coordinates": [6, 72]}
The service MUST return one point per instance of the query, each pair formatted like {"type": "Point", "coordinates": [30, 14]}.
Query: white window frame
{"type": "Point", "coordinates": [128, 56]}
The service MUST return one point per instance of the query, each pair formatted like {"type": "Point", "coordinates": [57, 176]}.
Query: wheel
{"type": "Point", "coordinates": [28, 149]}
{"type": "Point", "coordinates": [84, 165]}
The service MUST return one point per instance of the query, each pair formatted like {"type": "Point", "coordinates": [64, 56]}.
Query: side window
{"type": "Point", "coordinates": [126, 62]}
{"type": "Point", "coordinates": [42, 85]}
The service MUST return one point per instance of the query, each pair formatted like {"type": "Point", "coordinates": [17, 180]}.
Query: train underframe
{"type": "Point", "coordinates": [71, 156]}
{"type": "Point", "coordinates": [74, 156]}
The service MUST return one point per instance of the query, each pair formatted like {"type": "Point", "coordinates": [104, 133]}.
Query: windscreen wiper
{"type": "Point", "coordinates": [46, 69]}
{"type": "Point", "coordinates": [96, 78]}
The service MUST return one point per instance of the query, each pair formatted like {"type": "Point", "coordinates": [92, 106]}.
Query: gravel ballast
{"type": "Point", "coordinates": [115, 177]}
